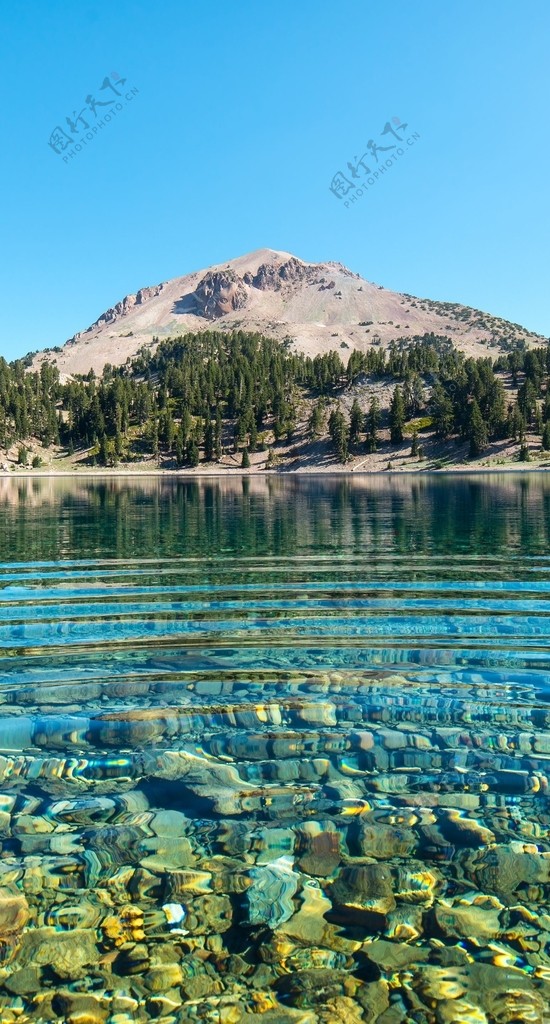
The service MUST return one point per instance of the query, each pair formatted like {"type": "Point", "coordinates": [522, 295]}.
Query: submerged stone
{"type": "Point", "coordinates": [269, 897]}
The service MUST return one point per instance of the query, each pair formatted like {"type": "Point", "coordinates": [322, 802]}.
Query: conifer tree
{"type": "Point", "coordinates": [317, 420]}
{"type": "Point", "coordinates": [218, 435]}
{"type": "Point", "coordinates": [477, 431]}
{"type": "Point", "coordinates": [442, 411]}
{"type": "Point", "coordinates": [208, 441]}
{"type": "Point", "coordinates": [192, 452]}
{"type": "Point", "coordinates": [356, 421]}
{"type": "Point", "coordinates": [339, 433]}
{"type": "Point", "coordinates": [397, 416]}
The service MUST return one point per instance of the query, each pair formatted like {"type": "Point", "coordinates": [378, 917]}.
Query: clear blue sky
{"type": "Point", "coordinates": [244, 112]}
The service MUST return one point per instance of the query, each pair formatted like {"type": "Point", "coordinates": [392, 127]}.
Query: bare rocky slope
{"type": "Point", "coordinates": [318, 306]}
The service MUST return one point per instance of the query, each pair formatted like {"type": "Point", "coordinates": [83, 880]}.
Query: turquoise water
{"type": "Point", "coordinates": [275, 749]}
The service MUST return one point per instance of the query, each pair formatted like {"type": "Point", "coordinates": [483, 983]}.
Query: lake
{"type": "Point", "coordinates": [275, 749]}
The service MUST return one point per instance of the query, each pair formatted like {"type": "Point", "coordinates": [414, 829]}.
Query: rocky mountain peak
{"type": "Point", "coordinates": [320, 306]}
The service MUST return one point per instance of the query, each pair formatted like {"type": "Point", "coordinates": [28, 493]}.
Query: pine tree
{"type": "Point", "coordinates": [397, 416]}
{"type": "Point", "coordinates": [356, 421]}
{"type": "Point", "coordinates": [524, 455]}
{"type": "Point", "coordinates": [192, 452]}
{"type": "Point", "coordinates": [546, 436]}
{"type": "Point", "coordinates": [208, 441]}
{"type": "Point", "coordinates": [180, 448]}
{"type": "Point", "coordinates": [414, 444]}
{"type": "Point", "coordinates": [495, 409]}
{"type": "Point", "coordinates": [218, 435]}
{"type": "Point", "coordinates": [339, 433]}
{"type": "Point", "coordinates": [167, 429]}
{"type": "Point", "coordinates": [103, 453]}
{"type": "Point", "coordinates": [477, 431]}
{"type": "Point", "coordinates": [317, 420]}
{"type": "Point", "coordinates": [245, 462]}
{"type": "Point", "coordinates": [154, 436]}
{"type": "Point", "coordinates": [442, 411]}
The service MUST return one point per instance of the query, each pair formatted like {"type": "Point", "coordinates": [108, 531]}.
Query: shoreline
{"type": "Point", "coordinates": [192, 474]}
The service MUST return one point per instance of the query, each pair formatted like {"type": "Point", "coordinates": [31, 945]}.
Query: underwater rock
{"type": "Point", "coordinates": [7, 803]}
{"type": "Point", "coordinates": [405, 924]}
{"type": "Point", "coordinates": [505, 869]}
{"type": "Point", "coordinates": [271, 843]}
{"type": "Point", "coordinates": [436, 983]}
{"type": "Point", "coordinates": [164, 852]}
{"type": "Point", "coordinates": [315, 988]}
{"type": "Point", "coordinates": [527, 1006]}
{"type": "Point", "coordinates": [126, 925]}
{"type": "Point", "coordinates": [310, 957]}
{"type": "Point", "coordinates": [282, 1015]}
{"type": "Point", "coordinates": [88, 810]}
{"type": "Point", "coordinates": [80, 1007]}
{"type": "Point", "coordinates": [318, 849]}
{"type": "Point", "coordinates": [308, 924]}
{"type": "Point", "coordinates": [460, 1011]}
{"type": "Point", "coordinates": [415, 883]}
{"type": "Point", "coordinates": [228, 874]}
{"type": "Point", "coordinates": [341, 1010]}
{"type": "Point", "coordinates": [394, 956]}
{"type": "Point", "coordinates": [164, 1005]}
{"type": "Point", "coordinates": [163, 977]}
{"type": "Point", "coordinates": [269, 898]}
{"type": "Point", "coordinates": [169, 824]}
{"type": "Point", "coordinates": [67, 916]}
{"type": "Point", "coordinates": [374, 999]}
{"type": "Point", "coordinates": [68, 954]}
{"type": "Point", "coordinates": [16, 733]}
{"type": "Point", "coordinates": [385, 841]}
{"type": "Point", "coordinates": [182, 885]}
{"type": "Point", "coordinates": [463, 831]}
{"type": "Point", "coordinates": [366, 888]}
{"type": "Point", "coordinates": [14, 912]}
{"type": "Point", "coordinates": [209, 915]}
{"type": "Point", "coordinates": [474, 916]}
{"type": "Point", "coordinates": [132, 960]}
{"type": "Point", "coordinates": [199, 979]}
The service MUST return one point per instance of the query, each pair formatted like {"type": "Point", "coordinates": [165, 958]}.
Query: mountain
{"type": "Point", "coordinates": [319, 306]}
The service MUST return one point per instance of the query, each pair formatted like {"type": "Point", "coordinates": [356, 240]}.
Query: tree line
{"type": "Point", "coordinates": [190, 397]}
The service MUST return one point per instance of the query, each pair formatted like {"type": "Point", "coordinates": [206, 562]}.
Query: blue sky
{"type": "Point", "coordinates": [243, 113]}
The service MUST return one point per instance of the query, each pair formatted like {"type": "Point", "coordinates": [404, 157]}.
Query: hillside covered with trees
{"type": "Point", "coordinates": [212, 397]}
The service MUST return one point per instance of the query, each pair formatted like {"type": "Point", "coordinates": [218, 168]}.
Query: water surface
{"type": "Point", "coordinates": [275, 749]}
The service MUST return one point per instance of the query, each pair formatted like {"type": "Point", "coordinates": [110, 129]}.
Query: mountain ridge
{"type": "Point", "coordinates": [318, 306]}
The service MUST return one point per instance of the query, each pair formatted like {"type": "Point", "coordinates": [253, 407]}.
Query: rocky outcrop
{"type": "Point", "coordinates": [271, 277]}
{"type": "Point", "coordinates": [218, 293]}
{"type": "Point", "coordinates": [128, 303]}
{"type": "Point", "coordinates": [121, 309]}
